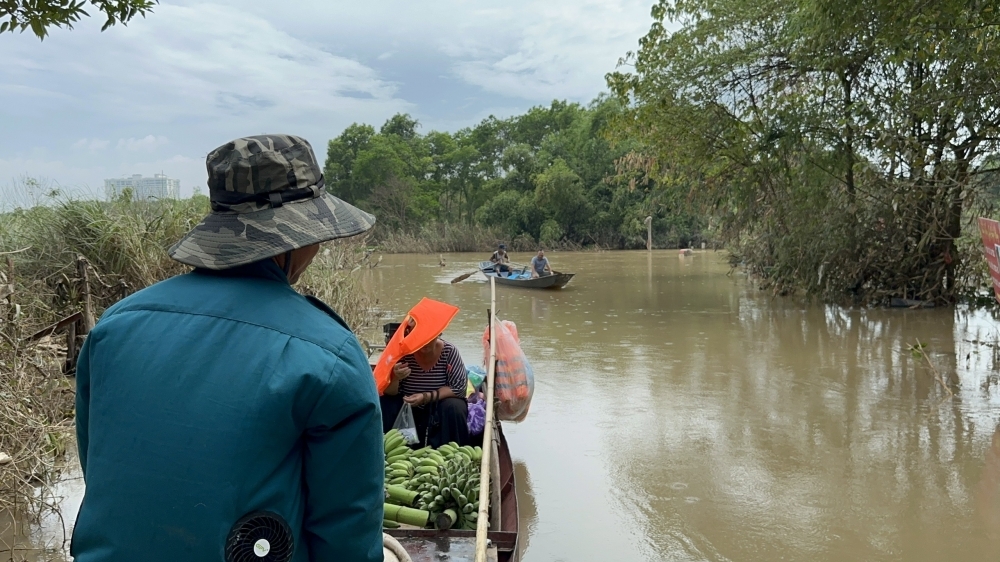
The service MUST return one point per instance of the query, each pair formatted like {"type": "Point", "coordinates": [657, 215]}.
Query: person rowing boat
{"type": "Point", "coordinates": [500, 259]}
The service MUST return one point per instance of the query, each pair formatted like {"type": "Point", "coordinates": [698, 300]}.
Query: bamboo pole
{"type": "Point", "coordinates": [482, 523]}
{"type": "Point", "coordinates": [495, 504]}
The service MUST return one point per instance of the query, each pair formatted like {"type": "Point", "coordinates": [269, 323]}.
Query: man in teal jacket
{"type": "Point", "coordinates": [220, 412]}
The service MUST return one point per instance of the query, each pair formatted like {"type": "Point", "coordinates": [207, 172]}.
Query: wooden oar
{"type": "Point", "coordinates": [482, 523]}
{"type": "Point", "coordinates": [464, 276]}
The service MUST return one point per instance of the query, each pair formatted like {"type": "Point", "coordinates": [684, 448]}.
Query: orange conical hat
{"type": "Point", "coordinates": [430, 317]}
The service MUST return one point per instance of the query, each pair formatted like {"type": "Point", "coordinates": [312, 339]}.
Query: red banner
{"type": "Point", "coordinates": [990, 229]}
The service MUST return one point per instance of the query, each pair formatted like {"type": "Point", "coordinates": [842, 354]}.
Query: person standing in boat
{"type": "Point", "coordinates": [500, 259]}
{"type": "Point", "coordinates": [433, 381]}
{"type": "Point", "coordinates": [540, 265]}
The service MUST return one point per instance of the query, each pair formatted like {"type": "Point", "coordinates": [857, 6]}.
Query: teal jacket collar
{"type": "Point", "coordinates": [263, 269]}
{"type": "Point", "coordinates": [268, 270]}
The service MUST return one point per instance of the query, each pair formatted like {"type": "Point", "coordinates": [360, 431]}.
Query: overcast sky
{"type": "Point", "coordinates": [157, 95]}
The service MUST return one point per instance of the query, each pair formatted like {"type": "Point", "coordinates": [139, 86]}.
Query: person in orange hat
{"type": "Point", "coordinates": [433, 381]}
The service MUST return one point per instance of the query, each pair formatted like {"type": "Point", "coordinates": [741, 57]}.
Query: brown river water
{"type": "Point", "coordinates": [680, 414]}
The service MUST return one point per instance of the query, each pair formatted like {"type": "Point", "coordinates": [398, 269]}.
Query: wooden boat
{"type": "Point", "coordinates": [520, 276]}
{"type": "Point", "coordinates": [429, 545]}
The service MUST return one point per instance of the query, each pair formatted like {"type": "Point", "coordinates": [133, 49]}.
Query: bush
{"type": "Point", "coordinates": [551, 232]}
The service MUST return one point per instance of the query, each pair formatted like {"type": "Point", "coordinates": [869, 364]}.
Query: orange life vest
{"type": "Point", "coordinates": [430, 317]}
{"type": "Point", "coordinates": [512, 385]}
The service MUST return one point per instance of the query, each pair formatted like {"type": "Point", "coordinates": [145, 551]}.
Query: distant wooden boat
{"type": "Point", "coordinates": [520, 276]}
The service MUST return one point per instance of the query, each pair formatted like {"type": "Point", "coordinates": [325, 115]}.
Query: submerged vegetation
{"type": "Point", "coordinates": [842, 148]}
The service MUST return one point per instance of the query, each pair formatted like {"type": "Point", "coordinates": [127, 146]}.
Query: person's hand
{"type": "Point", "coordinates": [400, 372]}
{"type": "Point", "coordinates": [418, 399]}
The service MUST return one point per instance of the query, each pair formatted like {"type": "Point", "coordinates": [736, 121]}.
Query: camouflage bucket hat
{"type": "Point", "coordinates": [267, 198]}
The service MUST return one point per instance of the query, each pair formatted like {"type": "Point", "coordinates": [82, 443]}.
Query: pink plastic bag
{"type": "Point", "coordinates": [515, 380]}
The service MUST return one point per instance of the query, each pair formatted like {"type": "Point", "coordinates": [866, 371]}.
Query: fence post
{"type": "Point", "coordinates": [83, 267]}
{"type": "Point", "coordinates": [70, 366]}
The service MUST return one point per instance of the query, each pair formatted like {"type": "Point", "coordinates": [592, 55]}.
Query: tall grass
{"type": "Point", "coordinates": [124, 241]}
{"type": "Point", "coordinates": [335, 278]}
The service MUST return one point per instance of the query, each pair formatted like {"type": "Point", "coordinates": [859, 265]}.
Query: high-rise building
{"type": "Point", "coordinates": [157, 187]}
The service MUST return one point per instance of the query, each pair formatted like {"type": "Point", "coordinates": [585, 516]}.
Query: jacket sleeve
{"type": "Point", "coordinates": [344, 465]}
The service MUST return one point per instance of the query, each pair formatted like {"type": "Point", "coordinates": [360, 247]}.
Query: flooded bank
{"type": "Point", "coordinates": [43, 535]}
{"type": "Point", "coordinates": [681, 415]}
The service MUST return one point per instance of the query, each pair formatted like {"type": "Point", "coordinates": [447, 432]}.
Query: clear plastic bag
{"type": "Point", "coordinates": [406, 425]}
{"type": "Point", "coordinates": [476, 375]}
{"type": "Point", "coordinates": [515, 380]}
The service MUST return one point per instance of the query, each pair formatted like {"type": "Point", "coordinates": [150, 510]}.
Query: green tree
{"type": "Point", "coordinates": [503, 211]}
{"type": "Point", "coordinates": [551, 173]}
{"type": "Point", "coordinates": [42, 15]}
{"type": "Point", "coordinates": [874, 115]}
{"type": "Point", "coordinates": [401, 125]}
{"type": "Point", "coordinates": [341, 155]}
{"type": "Point", "coordinates": [560, 195]}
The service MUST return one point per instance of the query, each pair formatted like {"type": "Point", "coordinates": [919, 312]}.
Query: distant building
{"type": "Point", "coordinates": [157, 187]}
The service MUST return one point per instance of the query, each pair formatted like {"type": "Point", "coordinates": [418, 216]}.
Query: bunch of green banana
{"type": "Point", "coordinates": [395, 446]}
{"type": "Point", "coordinates": [451, 493]}
{"type": "Point", "coordinates": [397, 466]}
{"type": "Point", "coordinates": [467, 453]}
{"type": "Point", "coordinates": [446, 480]}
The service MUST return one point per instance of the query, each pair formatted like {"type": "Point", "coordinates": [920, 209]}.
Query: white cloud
{"type": "Point", "coordinates": [523, 49]}
{"type": "Point", "coordinates": [209, 64]}
{"type": "Point", "coordinates": [547, 50]}
{"type": "Point", "coordinates": [91, 144]}
{"type": "Point", "coordinates": [202, 73]}
{"type": "Point", "coordinates": [145, 144]}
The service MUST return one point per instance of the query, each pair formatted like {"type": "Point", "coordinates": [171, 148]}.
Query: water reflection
{"type": "Point", "coordinates": [805, 431]}
{"type": "Point", "coordinates": [539, 308]}
{"type": "Point", "coordinates": [44, 536]}
{"type": "Point", "coordinates": [649, 272]}
{"type": "Point", "coordinates": [988, 491]}
{"type": "Point", "coordinates": [527, 511]}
